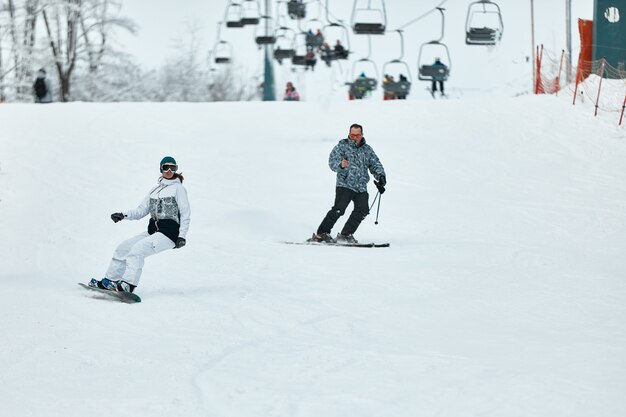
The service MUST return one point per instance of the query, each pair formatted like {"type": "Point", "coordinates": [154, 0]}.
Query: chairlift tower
{"type": "Point", "coordinates": [269, 90]}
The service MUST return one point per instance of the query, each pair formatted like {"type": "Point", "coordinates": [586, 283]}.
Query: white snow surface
{"type": "Point", "coordinates": [503, 292]}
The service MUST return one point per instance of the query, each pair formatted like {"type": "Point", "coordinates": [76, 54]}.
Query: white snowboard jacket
{"type": "Point", "coordinates": [168, 207]}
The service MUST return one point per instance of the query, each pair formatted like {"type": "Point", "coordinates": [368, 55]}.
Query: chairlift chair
{"type": "Point", "coordinates": [311, 28]}
{"type": "Point", "coordinates": [343, 38]}
{"type": "Point", "coordinates": [251, 12]}
{"type": "Point", "coordinates": [363, 85]}
{"type": "Point", "coordinates": [223, 52]}
{"type": "Point", "coordinates": [483, 24]}
{"type": "Point", "coordinates": [398, 87]}
{"type": "Point", "coordinates": [284, 48]}
{"type": "Point", "coordinates": [430, 72]}
{"type": "Point", "coordinates": [369, 20]}
{"type": "Point", "coordinates": [335, 32]}
{"type": "Point", "coordinates": [233, 15]}
{"type": "Point", "coordinates": [300, 49]}
{"type": "Point", "coordinates": [296, 9]}
{"type": "Point", "coordinates": [264, 32]}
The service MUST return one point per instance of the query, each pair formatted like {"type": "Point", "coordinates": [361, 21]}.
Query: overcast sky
{"type": "Point", "coordinates": [160, 21]}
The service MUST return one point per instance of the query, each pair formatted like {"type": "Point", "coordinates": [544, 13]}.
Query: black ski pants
{"type": "Point", "coordinates": [343, 197]}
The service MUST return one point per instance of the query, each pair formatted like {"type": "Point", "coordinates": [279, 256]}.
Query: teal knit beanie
{"type": "Point", "coordinates": [167, 160]}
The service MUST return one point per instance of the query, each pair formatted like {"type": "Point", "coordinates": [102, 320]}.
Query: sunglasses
{"type": "Point", "coordinates": [355, 136]}
{"type": "Point", "coordinates": [172, 168]}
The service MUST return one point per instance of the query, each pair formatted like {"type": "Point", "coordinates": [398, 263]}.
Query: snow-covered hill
{"type": "Point", "coordinates": [502, 293]}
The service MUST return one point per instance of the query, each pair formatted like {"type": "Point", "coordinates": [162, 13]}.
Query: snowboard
{"type": "Point", "coordinates": [348, 245]}
{"type": "Point", "coordinates": [125, 297]}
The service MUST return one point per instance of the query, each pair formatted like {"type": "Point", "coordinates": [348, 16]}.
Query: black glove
{"type": "Point", "coordinates": [180, 242]}
{"type": "Point", "coordinates": [380, 184]}
{"type": "Point", "coordinates": [116, 217]}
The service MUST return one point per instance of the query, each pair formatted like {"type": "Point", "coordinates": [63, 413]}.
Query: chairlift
{"type": "Point", "coordinates": [296, 9]}
{"type": "Point", "coordinates": [251, 12]}
{"type": "Point", "coordinates": [284, 48]}
{"type": "Point", "coordinates": [339, 33]}
{"type": "Point", "coordinates": [264, 32]}
{"type": "Point", "coordinates": [300, 48]}
{"type": "Point", "coordinates": [369, 20]}
{"type": "Point", "coordinates": [223, 52]}
{"type": "Point", "coordinates": [314, 40]}
{"type": "Point", "coordinates": [233, 15]}
{"type": "Point", "coordinates": [401, 86]}
{"type": "Point", "coordinates": [363, 83]}
{"type": "Point", "coordinates": [483, 24]}
{"type": "Point", "coordinates": [432, 72]}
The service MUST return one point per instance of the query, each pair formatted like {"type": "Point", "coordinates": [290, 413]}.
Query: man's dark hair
{"type": "Point", "coordinates": [356, 126]}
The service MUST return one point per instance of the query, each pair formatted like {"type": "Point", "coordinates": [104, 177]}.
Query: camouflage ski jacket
{"type": "Point", "coordinates": [361, 158]}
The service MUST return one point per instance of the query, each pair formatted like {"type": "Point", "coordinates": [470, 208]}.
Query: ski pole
{"type": "Point", "coordinates": [378, 197]}
{"type": "Point", "coordinates": [378, 209]}
{"type": "Point", "coordinates": [374, 202]}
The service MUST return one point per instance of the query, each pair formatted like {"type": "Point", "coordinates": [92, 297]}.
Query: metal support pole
{"type": "Point", "coordinates": [532, 36]}
{"type": "Point", "coordinates": [269, 93]}
{"type": "Point", "coordinates": [600, 86]}
{"type": "Point", "coordinates": [568, 39]}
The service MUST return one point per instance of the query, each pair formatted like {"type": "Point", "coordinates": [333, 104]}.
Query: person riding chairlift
{"type": "Point", "coordinates": [340, 51]}
{"type": "Point", "coordinates": [438, 79]}
{"type": "Point", "coordinates": [388, 94]}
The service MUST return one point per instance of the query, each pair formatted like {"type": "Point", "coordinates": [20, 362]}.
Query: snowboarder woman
{"type": "Point", "coordinates": [351, 158]}
{"type": "Point", "coordinates": [169, 212]}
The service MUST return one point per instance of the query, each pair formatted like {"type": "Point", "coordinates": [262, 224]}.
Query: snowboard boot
{"type": "Point", "coordinates": [123, 286]}
{"type": "Point", "coordinates": [346, 239]}
{"type": "Point", "coordinates": [108, 284]}
{"type": "Point", "coordinates": [322, 238]}
{"type": "Point", "coordinates": [119, 286]}
{"type": "Point", "coordinates": [94, 283]}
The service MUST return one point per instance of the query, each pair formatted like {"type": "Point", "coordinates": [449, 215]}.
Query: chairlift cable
{"type": "Point", "coordinates": [328, 13]}
{"type": "Point", "coordinates": [423, 15]}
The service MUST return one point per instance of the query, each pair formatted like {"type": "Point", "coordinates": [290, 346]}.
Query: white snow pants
{"type": "Point", "coordinates": [128, 258]}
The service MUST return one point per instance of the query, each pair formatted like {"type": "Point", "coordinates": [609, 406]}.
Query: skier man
{"type": "Point", "coordinates": [351, 159]}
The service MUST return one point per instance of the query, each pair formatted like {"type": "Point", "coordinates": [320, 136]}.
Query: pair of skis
{"type": "Point", "coordinates": [347, 245]}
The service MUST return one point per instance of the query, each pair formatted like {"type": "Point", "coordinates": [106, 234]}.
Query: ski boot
{"type": "Point", "coordinates": [321, 238]}
{"type": "Point", "coordinates": [346, 239]}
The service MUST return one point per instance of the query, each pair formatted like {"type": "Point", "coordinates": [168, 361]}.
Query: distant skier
{"type": "Point", "coordinates": [290, 93]}
{"type": "Point", "coordinates": [438, 79]}
{"type": "Point", "coordinates": [41, 88]}
{"type": "Point", "coordinates": [169, 212]}
{"type": "Point", "coordinates": [351, 159]}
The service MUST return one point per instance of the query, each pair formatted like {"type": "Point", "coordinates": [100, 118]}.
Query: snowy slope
{"type": "Point", "coordinates": [502, 293]}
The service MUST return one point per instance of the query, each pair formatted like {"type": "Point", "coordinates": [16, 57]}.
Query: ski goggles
{"type": "Point", "coordinates": [172, 168]}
